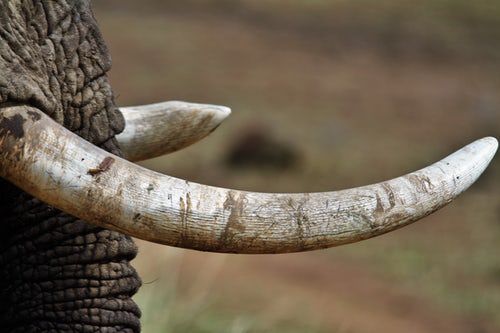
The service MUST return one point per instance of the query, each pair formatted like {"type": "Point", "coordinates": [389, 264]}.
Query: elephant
{"type": "Point", "coordinates": [71, 200]}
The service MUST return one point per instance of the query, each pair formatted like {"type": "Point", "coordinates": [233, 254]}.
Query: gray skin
{"type": "Point", "coordinates": [59, 273]}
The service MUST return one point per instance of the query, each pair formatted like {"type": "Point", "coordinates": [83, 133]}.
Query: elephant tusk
{"type": "Point", "coordinates": [157, 129]}
{"type": "Point", "coordinates": [67, 172]}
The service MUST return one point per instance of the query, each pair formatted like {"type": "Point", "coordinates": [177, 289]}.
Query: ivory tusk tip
{"type": "Point", "coordinates": [218, 113]}
{"type": "Point", "coordinates": [487, 147]}
{"type": "Point", "coordinates": [221, 112]}
{"type": "Point", "coordinates": [492, 142]}
{"type": "Point", "coordinates": [161, 128]}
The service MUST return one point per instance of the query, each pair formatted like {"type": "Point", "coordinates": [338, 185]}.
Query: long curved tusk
{"type": "Point", "coordinates": [156, 129]}
{"type": "Point", "coordinates": [49, 162]}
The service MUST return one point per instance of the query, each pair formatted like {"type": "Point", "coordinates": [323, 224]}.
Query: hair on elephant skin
{"type": "Point", "coordinates": [59, 273]}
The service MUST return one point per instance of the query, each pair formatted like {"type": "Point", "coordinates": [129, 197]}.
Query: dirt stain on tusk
{"type": "Point", "coordinates": [103, 166]}
{"type": "Point", "coordinates": [13, 125]}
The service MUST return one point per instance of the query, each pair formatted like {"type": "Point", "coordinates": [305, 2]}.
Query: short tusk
{"type": "Point", "coordinates": [157, 129]}
{"type": "Point", "coordinates": [49, 162]}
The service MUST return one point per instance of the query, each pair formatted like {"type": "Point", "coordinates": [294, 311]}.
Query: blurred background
{"type": "Point", "coordinates": [326, 94]}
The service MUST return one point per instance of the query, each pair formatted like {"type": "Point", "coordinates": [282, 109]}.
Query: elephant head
{"type": "Point", "coordinates": [64, 148]}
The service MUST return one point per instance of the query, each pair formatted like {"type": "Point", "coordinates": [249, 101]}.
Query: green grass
{"type": "Point", "coordinates": [171, 304]}
{"type": "Point", "coordinates": [453, 263]}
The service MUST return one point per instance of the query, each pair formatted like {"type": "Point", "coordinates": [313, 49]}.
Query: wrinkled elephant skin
{"type": "Point", "coordinates": [59, 273]}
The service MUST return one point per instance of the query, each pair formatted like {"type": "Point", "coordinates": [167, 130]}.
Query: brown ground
{"type": "Point", "coordinates": [339, 294]}
{"type": "Point", "coordinates": [356, 115]}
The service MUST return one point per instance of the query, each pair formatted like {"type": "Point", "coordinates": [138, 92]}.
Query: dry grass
{"type": "Point", "coordinates": [364, 91]}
